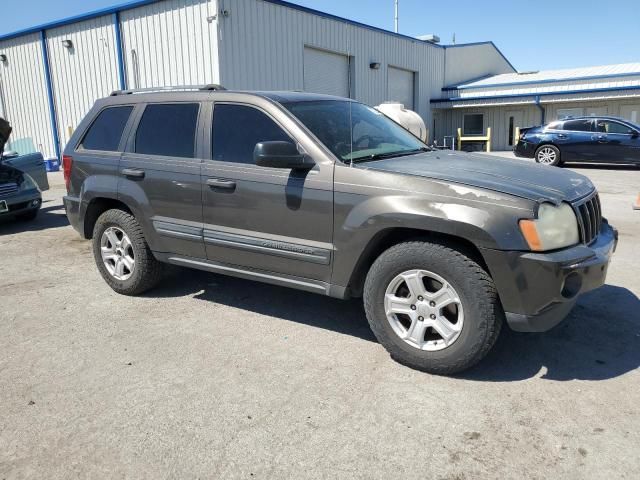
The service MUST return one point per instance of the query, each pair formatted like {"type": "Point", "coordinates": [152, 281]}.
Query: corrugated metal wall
{"type": "Point", "coordinates": [467, 62]}
{"type": "Point", "coordinates": [170, 43]}
{"type": "Point", "coordinates": [84, 73]}
{"type": "Point", "coordinates": [262, 47]}
{"type": "Point", "coordinates": [448, 121]}
{"type": "Point", "coordinates": [24, 94]}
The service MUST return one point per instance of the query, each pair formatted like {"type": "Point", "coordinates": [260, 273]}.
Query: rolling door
{"type": "Point", "coordinates": [326, 72]}
{"type": "Point", "coordinates": [400, 87]}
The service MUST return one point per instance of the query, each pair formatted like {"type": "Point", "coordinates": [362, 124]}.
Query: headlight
{"type": "Point", "coordinates": [555, 227]}
{"type": "Point", "coordinates": [27, 183]}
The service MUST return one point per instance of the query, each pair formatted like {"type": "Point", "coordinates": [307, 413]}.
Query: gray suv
{"type": "Point", "coordinates": [328, 195]}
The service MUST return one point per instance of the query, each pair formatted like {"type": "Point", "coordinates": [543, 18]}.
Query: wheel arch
{"type": "Point", "coordinates": [96, 207]}
{"type": "Point", "coordinates": [387, 238]}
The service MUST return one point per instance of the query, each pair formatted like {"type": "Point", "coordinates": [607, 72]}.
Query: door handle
{"type": "Point", "coordinates": [600, 138]}
{"type": "Point", "coordinates": [562, 136]}
{"type": "Point", "coordinates": [132, 172]}
{"type": "Point", "coordinates": [221, 183]}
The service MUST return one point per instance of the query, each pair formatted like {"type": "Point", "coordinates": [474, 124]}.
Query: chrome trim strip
{"type": "Point", "coordinates": [294, 251]}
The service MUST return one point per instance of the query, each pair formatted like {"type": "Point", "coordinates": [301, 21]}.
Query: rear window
{"type": "Point", "coordinates": [578, 125]}
{"type": "Point", "coordinates": [168, 130]}
{"type": "Point", "coordinates": [106, 131]}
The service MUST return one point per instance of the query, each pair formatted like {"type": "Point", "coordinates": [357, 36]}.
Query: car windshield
{"type": "Point", "coordinates": [355, 132]}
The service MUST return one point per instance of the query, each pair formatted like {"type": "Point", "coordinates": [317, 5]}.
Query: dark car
{"type": "Point", "coordinates": [22, 177]}
{"type": "Point", "coordinates": [581, 139]}
{"type": "Point", "coordinates": [328, 195]}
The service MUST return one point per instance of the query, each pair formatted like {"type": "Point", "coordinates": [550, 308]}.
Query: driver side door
{"type": "Point", "coordinates": [260, 218]}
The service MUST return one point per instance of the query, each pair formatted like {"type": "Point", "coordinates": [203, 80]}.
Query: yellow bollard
{"type": "Point", "coordinates": [488, 139]}
{"type": "Point", "coordinates": [459, 139]}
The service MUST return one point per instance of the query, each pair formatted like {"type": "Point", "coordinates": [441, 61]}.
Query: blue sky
{"type": "Point", "coordinates": [536, 35]}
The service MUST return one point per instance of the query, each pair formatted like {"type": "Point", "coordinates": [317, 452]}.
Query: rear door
{"type": "Point", "coordinates": [33, 165]}
{"type": "Point", "coordinates": [576, 140]}
{"type": "Point", "coordinates": [160, 172]}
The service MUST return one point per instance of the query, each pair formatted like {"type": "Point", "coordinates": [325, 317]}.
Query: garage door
{"type": "Point", "coordinates": [400, 87]}
{"type": "Point", "coordinates": [326, 72]}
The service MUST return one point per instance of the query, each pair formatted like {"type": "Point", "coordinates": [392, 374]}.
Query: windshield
{"type": "Point", "coordinates": [353, 131]}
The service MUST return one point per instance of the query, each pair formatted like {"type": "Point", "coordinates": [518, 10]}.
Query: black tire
{"type": "Point", "coordinates": [147, 271]}
{"type": "Point", "coordinates": [28, 216]}
{"type": "Point", "coordinates": [541, 149]}
{"type": "Point", "coordinates": [483, 314]}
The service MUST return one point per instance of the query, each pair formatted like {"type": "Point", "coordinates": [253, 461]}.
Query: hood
{"type": "Point", "coordinates": [513, 177]}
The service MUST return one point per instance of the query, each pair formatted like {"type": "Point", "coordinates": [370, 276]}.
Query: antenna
{"type": "Point", "coordinates": [395, 18]}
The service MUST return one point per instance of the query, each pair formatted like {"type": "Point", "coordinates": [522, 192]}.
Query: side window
{"type": "Point", "coordinates": [555, 126]}
{"type": "Point", "coordinates": [578, 125]}
{"type": "Point", "coordinates": [168, 129]}
{"type": "Point", "coordinates": [105, 132]}
{"type": "Point", "coordinates": [237, 129]}
{"type": "Point", "coordinates": [605, 126]}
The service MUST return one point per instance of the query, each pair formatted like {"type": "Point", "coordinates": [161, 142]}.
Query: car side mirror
{"type": "Point", "coordinates": [635, 134]}
{"type": "Point", "coordinates": [281, 155]}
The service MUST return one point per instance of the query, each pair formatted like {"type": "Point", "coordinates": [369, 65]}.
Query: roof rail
{"type": "Point", "coordinates": [178, 88]}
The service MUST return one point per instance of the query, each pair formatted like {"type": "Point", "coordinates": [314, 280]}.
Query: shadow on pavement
{"type": "Point", "coordinates": [345, 317]}
{"type": "Point", "coordinates": [601, 166]}
{"type": "Point", "coordinates": [599, 340]}
{"type": "Point", "coordinates": [48, 217]}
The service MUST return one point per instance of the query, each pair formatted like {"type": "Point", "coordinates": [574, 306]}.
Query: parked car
{"type": "Point", "coordinates": [581, 139]}
{"type": "Point", "coordinates": [328, 195]}
{"type": "Point", "coordinates": [20, 193]}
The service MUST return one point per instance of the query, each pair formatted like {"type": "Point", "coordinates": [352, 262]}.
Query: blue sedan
{"type": "Point", "coordinates": [581, 139]}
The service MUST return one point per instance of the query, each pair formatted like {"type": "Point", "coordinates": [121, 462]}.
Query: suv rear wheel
{"type": "Point", "coordinates": [122, 254]}
{"type": "Point", "coordinates": [432, 307]}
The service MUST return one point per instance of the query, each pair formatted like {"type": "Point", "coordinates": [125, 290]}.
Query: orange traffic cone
{"type": "Point", "coordinates": [636, 206]}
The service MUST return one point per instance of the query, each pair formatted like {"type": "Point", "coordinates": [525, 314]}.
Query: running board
{"type": "Point", "coordinates": [305, 284]}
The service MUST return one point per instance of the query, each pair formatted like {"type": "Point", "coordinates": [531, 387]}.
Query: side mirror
{"type": "Point", "coordinates": [281, 155]}
{"type": "Point", "coordinates": [635, 134]}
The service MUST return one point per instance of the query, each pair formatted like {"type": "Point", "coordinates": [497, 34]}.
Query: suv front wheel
{"type": "Point", "coordinates": [122, 255]}
{"type": "Point", "coordinates": [432, 307]}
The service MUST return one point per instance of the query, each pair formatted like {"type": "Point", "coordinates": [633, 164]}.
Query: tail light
{"type": "Point", "coordinates": [67, 162]}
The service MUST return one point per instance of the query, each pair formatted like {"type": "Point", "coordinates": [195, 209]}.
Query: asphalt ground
{"type": "Point", "coordinates": [215, 377]}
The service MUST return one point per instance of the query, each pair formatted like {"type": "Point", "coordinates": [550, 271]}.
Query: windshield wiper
{"type": "Point", "coordinates": [380, 156]}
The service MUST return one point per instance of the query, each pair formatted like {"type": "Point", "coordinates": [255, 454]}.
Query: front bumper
{"type": "Point", "coordinates": [538, 290]}
{"type": "Point", "coordinates": [22, 202]}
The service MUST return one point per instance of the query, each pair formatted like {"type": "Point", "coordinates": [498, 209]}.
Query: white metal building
{"type": "Point", "coordinates": [504, 102]}
{"type": "Point", "coordinates": [50, 75]}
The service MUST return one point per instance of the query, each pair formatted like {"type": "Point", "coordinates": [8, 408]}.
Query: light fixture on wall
{"type": "Point", "coordinates": [67, 44]}
{"type": "Point", "coordinates": [374, 65]}
{"type": "Point", "coordinates": [3, 58]}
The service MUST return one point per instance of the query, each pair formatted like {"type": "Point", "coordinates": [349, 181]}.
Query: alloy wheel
{"type": "Point", "coordinates": [117, 253]}
{"type": "Point", "coordinates": [547, 156]}
{"type": "Point", "coordinates": [424, 310]}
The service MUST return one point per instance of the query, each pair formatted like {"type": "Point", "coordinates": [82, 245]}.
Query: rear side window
{"type": "Point", "coordinates": [168, 129]}
{"type": "Point", "coordinates": [105, 132]}
{"type": "Point", "coordinates": [578, 125]}
{"type": "Point", "coordinates": [237, 129]}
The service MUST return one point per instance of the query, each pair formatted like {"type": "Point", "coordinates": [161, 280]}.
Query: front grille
{"type": "Point", "coordinates": [8, 188]}
{"type": "Point", "coordinates": [589, 213]}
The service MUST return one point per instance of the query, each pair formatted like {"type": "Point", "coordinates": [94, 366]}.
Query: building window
{"type": "Point", "coordinates": [473, 124]}
{"type": "Point", "coordinates": [511, 131]}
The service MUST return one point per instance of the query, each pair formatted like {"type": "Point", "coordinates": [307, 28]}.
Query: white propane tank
{"type": "Point", "coordinates": [407, 118]}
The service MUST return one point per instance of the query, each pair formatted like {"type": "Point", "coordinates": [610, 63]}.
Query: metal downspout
{"type": "Point", "coordinates": [542, 112]}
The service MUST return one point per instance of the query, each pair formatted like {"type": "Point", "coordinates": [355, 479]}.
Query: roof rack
{"type": "Point", "coordinates": [178, 88]}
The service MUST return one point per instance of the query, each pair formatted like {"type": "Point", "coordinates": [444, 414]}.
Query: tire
{"type": "Point", "coordinates": [145, 271]}
{"type": "Point", "coordinates": [482, 314]}
{"type": "Point", "coordinates": [548, 155]}
{"type": "Point", "coordinates": [28, 216]}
